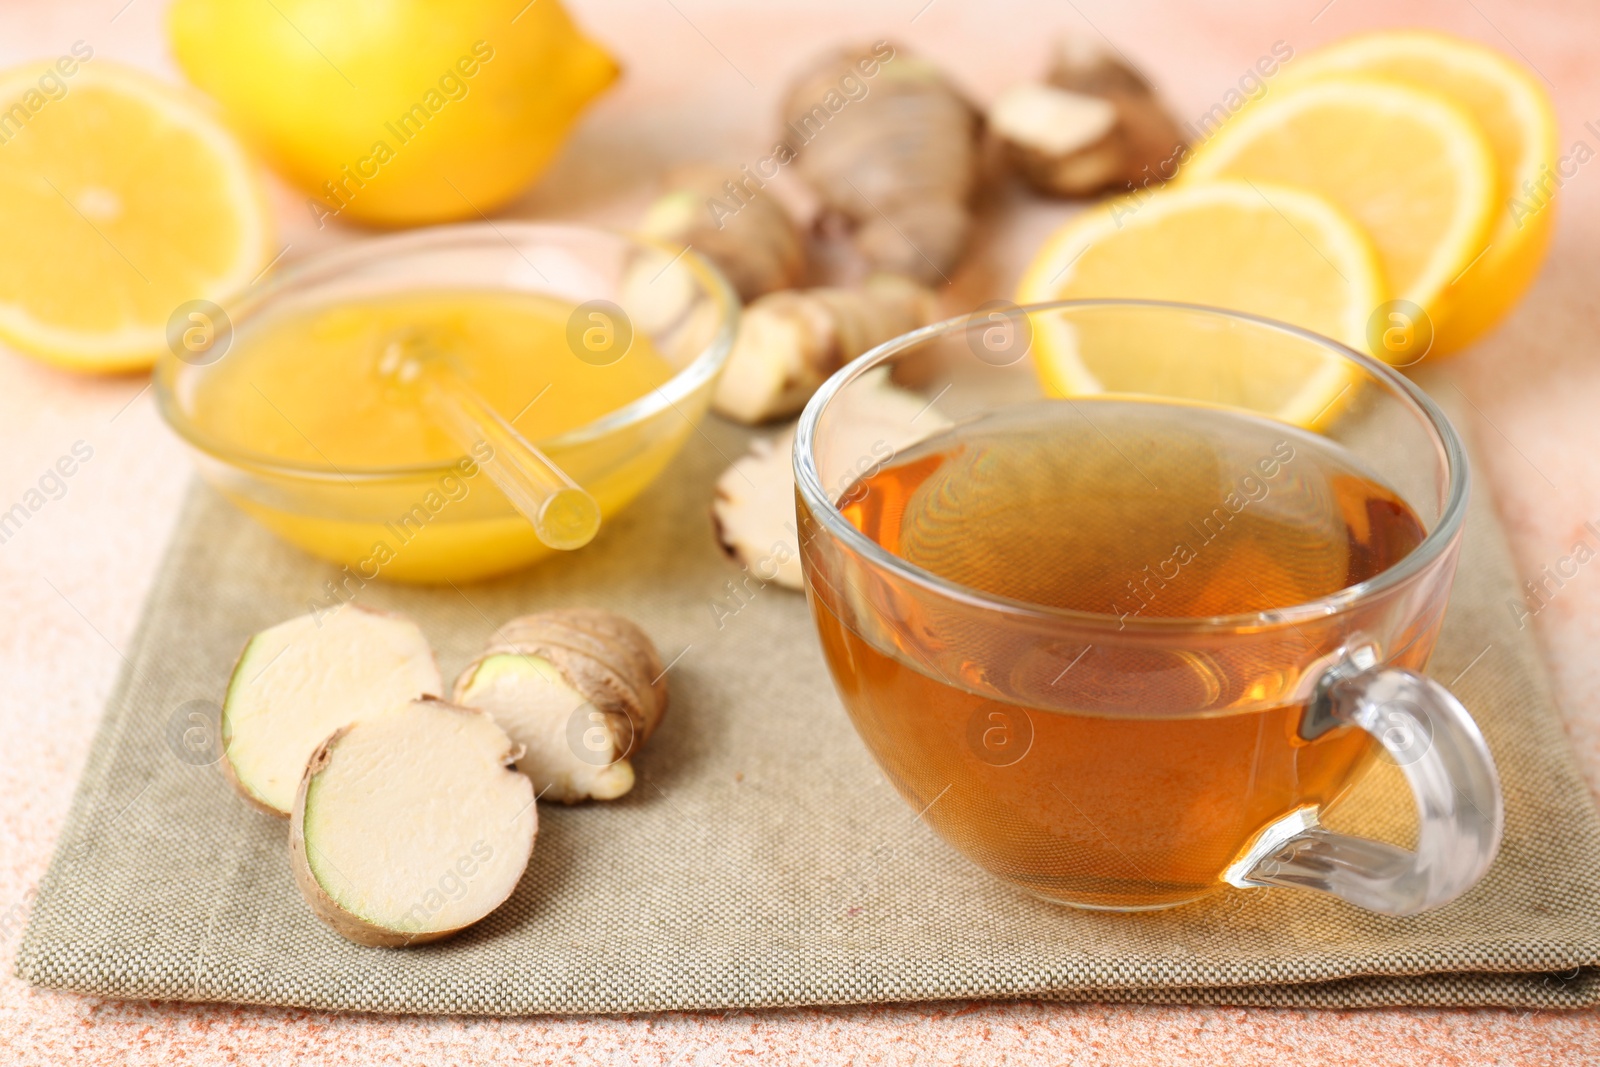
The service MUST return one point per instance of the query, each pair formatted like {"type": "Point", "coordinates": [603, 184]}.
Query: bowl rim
{"type": "Point", "coordinates": [1429, 550]}
{"type": "Point", "coordinates": [332, 262]}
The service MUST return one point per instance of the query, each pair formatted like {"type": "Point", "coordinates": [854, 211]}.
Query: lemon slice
{"type": "Point", "coordinates": [1516, 116]}
{"type": "Point", "coordinates": [1277, 252]}
{"type": "Point", "coordinates": [1408, 165]}
{"type": "Point", "coordinates": [122, 200]}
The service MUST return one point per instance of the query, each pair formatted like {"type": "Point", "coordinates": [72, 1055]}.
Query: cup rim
{"type": "Point", "coordinates": [332, 262]}
{"type": "Point", "coordinates": [808, 480]}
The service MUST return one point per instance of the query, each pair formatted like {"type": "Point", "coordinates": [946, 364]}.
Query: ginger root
{"type": "Point", "coordinates": [790, 342]}
{"type": "Point", "coordinates": [1094, 124]}
{"type": "Point", "coordinates": [580, 689]}
{"type": "Point", "coordinates": [407, 820]}
{"type": "Point", "coordinates": [1063, 143]}
{"type": "Point", "coordinates": [409, 826]}
{"type": "Point", "coordinates": [301, 680]}
{"type": "Point", "coordinates": [899, 162]}
{"type": "Point", "coordinates": [757, 246]}
{"type": "Point", "coordinates": [753, 509]}
{"type": "Point", "coordinates": [1152, 141]}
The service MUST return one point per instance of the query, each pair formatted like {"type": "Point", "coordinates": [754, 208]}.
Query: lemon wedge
{"type": "Point", "coordinates": [1515, 114]}
{"type": "Point", "coordinates": [1409, 166]}
{"type": "Point", "coordinates": [1272, 251]}
{"type": "Point", "coordinates": [123, 200]}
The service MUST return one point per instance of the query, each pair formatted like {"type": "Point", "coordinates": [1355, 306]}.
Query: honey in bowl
{"type": "Point", "coordinates": [598, 349]}
{"type": "Point", "coordinates": [304, 385]}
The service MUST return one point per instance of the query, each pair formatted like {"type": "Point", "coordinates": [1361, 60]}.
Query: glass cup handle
{"type": "Point", "coordinates": [1443, 756]}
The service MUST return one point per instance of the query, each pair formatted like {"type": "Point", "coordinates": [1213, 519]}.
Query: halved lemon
{"type": "Point", "coordinates": [1273, 251]}
{"type": "Point", "coordinates": [123, 199]}
{"type": "Point", "coordinates": [1408, 165]}
{"type": "Point", "coordinates": [1515, 114]}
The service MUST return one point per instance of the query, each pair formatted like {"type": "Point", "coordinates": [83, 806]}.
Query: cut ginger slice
{"type": "Point", "coordinates": [410, 826]}
{"type": "Point", "coordinates": [301, 680]}
{"type": "Point", "coordinates": [579, 689]}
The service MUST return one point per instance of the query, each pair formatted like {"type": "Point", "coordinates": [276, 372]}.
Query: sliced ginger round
{"type": "Point", "coordinates": [1280, 253]}
{"type": "Point", "coordinates": [1514, 112]}
{"type": "Point", "coordinates": [301, 680]}
{"type": "Point", "coordinates": [1408, 165]}
{"type": "Point", "coordinates": [410, 825]}
{"type": "Point", "coordinates": [122, 199]}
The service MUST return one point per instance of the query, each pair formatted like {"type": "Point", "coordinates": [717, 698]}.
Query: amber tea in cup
{"type": "Point", "coordinates": [1122, 649]}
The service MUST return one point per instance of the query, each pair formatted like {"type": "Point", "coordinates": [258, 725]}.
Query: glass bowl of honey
{"type": "Point", "coordinates": [598, 348]}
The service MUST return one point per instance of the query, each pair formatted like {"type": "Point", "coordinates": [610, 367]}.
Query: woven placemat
{"type": "Point", "coordinates": [762, 859]}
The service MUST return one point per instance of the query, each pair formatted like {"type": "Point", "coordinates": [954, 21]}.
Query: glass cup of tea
{"type": "Point", "coordinates": [1121, 641]}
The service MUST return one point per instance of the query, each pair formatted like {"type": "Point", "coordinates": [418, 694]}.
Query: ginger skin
{"type": "Point", "coordinates": [1062, 143]}
{"type": "Point", "coordinates": [1094, 124]}
{"type": "Point", "coordinates": [900, 162]}
{"type": "Point", "coordinates": [790, 342]}
{"type": "Point", "coordinates": [580, 689]}
{"type": "Point", "coordinates": [1152, 140]}
{"type": "Point", "coordinates": [757, 246]}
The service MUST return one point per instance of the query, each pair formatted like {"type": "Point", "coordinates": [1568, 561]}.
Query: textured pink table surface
{"type": "Point", "coordinates": [702, 75]}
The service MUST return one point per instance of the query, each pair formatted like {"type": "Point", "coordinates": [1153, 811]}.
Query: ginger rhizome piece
{"type": "Point", "coordinates": [1093, 124]}
{"type": "Point", "coordinates": [789, 343]}
{"type": "Point", "coordinates": [1063, 143]}
{"type": "Point", "coordinates": [581, 690]}
{"type": "Point", "coordinates": [752, 511]}
{"type": "Point", "coordinates": [753, 508]}
{"type": "Point", "coordinates": [746, 233]}
{"type": "Point", "coordinates": [410, 825]}
{"type": "Point", "coordinates": [1153, 143]}
{"type": "Point", "coordinates": [301, 680]}
{"type": "Point", "coordinates": [897, 157]}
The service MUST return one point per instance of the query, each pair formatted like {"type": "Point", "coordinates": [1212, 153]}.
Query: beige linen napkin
{"type": "Point", "coordinates": [762, 859]}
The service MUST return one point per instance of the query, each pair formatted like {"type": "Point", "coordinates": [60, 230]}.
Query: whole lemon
{"type": "Point", "coordinates": [395, 112]}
